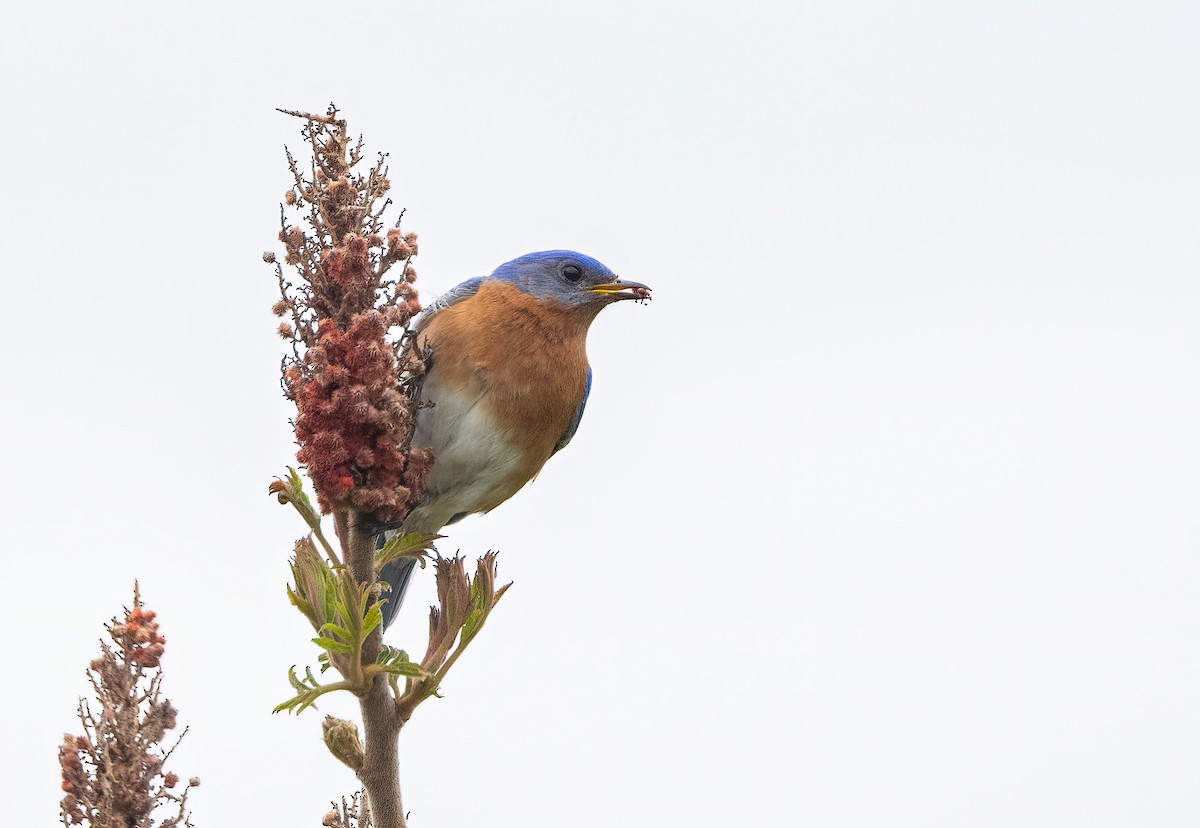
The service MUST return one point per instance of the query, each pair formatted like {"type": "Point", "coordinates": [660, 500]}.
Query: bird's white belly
{"type": "Point", "coordinates": [473, 459]}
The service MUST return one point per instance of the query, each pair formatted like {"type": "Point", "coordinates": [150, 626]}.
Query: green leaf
{"type": "Point", "coordinates": [405, 668]}
{"type": "Point", "coordinates": [373, 618]}
{"type": "Point", "coordinates": [290, 489]}
{"type": "Point", "coordinates": [305, 607]}
{"type": "Point", "coordinates": [392, 654]}
{"type": "Point", "coordinates": [294, 489]}
{"type": "Point", "coordinates": [336, 630]}
{"type": "Point", "coordinates": [332, 646]}
{"type": "Point", "coordinates": [410, 545]}
{"type": "Point", "coordinates": [397, 663]}
{"type": "Point", "coordinates": [295, 682]}
{"type": "Point", "coordinates": [313, 581]}
{"type": "Point", "coordinates": [364, 598]}
{"type": "Point", "coordinates": [471, 626]}
{"type": "Point", "coordinates": [341, 610]}
{"type": "Point", "coordinates": [478, 614]}
{"type": "Point", "coordinates": [309, 690]}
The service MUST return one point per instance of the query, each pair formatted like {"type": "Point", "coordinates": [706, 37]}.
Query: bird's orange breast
{"type": "Point", "coordinates": [530, 357]}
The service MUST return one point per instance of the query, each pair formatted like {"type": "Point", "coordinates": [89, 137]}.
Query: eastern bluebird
{"type": "Point", "coordinates": [508, 378]}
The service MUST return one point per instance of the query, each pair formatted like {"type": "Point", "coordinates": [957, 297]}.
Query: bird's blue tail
{"type": "Point", "coordinates": [396, 574]}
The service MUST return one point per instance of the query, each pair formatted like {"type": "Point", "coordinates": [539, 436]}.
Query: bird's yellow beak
{"type": "Point", "coordinates": [622, 289]}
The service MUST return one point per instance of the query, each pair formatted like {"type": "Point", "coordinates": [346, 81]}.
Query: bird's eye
{"type": "Point", "coordinates": [571, 273]}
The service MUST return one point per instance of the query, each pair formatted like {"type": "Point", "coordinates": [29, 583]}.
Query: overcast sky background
{"type": "Point", "coordinates": [882, 513]}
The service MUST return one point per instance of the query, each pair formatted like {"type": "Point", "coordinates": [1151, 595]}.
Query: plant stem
{"type": "Point", "coordinates": [380, 774]}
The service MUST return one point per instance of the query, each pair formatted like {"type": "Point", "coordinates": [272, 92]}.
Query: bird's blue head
{"type": "Point", "coordinates": [570, 278]}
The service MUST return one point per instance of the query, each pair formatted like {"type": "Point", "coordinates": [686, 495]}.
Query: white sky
{"type": "Point", "coordinates": [883, 513]}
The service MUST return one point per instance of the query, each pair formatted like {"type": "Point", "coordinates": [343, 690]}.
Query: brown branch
{"type": "Point", "coordinates": [325, 119]}
{"type": "Point", "coordinates": [380, 774]}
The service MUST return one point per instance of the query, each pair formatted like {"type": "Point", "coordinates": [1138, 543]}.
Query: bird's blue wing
{"type": "Point", "coordinates": [396, 575]}
{"type": "Point", "coordinates": [450, 297]}
{"type": "Point", "coordinates": [574, 426]}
